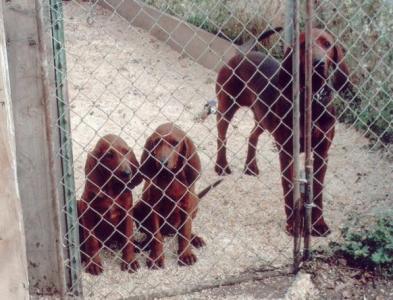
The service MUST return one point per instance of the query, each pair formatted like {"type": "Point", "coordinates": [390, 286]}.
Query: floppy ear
{"type": "Point", "coordinates": [285, 83]}
{"type": "Point", "coordinates": [92, 169]}
{"type": "Point", "coordinates": [192, 162]}
{"type": "Point", "coordinates": [136, 175]}
{"type": "Point", "coordinates": [286, 65]}
{"type": "Point", "coordinates": [286, 74]}
{"type": "Point", "coordinates": [148, 167]}
{"type": "Point", "coordinates": [341, 72]}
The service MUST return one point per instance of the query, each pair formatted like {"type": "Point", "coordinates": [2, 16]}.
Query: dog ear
{"type": "Point", "coordinates": [191, 160]}
{"type": "Point", "coordinates": [285, 84]}
{"type": "Point", "coordinates": [92, 167]}
{"type": "Point", "coordinates": [148, 167]}
{"type": "Point", "coordinates": [341, 72]}
{"type": "Point", "coordinates": [136, 174]}
{"type": "Point", "coordinates": [286, 75]}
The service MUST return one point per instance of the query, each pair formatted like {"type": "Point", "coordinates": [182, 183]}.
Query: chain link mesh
{"type": "Point", "coordinates": [123, 84]}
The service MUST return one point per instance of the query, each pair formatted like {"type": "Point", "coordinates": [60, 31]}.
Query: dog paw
{"type": "Point", "coordinates": [198, 242]}
{"type": "Point", "coordinates": [222, 170]}
{"type": "Point", "coordinates": [155, 263]}
{"type": "Point", "coordinates": [187, 259]}
{"type": "Point", "coordinates": [289, 230]}
{"type": "Point", "coordinates": [320, 229]}
{"type": "Point", "coordinates": [251, 169]}
{"type": "Point", "coordinates": [94, 267]}
{"type": "Point", "coordinates": [131, 267]}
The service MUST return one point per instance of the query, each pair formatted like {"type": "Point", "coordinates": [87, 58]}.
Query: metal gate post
{"type": "Point", "coordinates": [309, 193]}
{"type": "Point", "coordinates": [68, 182]}
{"type": "Point", "coordinates": [296, 135]}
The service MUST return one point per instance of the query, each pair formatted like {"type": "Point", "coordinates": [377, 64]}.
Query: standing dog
{"type": "Point", "coordinates": [171, 167]}
{"type": "Point", "coordinates": [104, 211]}
{"type": "Point", "coordinates": [259, 82]}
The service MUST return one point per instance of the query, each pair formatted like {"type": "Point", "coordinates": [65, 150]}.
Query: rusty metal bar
{"type": "Point", "coordinates": [296, 136]}
{"type": "Point", "coordinates": [308, 201]}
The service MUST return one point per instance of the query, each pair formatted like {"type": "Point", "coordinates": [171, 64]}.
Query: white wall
{"type": "Point", "coordinates": [13, 265]}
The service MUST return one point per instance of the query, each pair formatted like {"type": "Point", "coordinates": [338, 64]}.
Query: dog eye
{"type": "Point", "coordinates": [327, 44]}
{"type": "Point", "coordinates": [109, 154]}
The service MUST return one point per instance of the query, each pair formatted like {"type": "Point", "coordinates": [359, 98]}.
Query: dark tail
{"type": "Point", "coordinates": [203, 193]}
{"type": "Point", "coordinates": [251, 43]}
{"type": "Point", "coordinates": [268, 33]}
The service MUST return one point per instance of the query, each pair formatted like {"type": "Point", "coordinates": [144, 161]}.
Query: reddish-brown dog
{"type": "Point", "coordinates": [171, 166]}
{"type": "Point", "coordinates": [259, 82]}
{"type": "Point", "coordinates": [104, 211]}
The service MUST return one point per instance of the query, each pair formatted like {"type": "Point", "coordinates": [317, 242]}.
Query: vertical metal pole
{"type": "Point", "coordinates": [288, 30]}
{"type": "Point", "coordinates": [72, 227]}
{"type": "Point", "coordinates": [309, 193]}
{"type": "Point", "coordinates": [296, 135]}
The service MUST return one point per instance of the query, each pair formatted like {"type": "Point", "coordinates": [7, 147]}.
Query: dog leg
{"type": "Point", "coordinates": [93, 247]}
{"type": "Point", "coordinates": [224, 116]}
{"type": "Point", "coordinates": [320, 228]}
{"type": "Point", "coordinates": [251, 166]}
{"type": "Point", "coordinates": [286, 165]}
{"type": "Point", "coordinates": [186, 256]}
{"type": "Point", "coordinates": [156, 256]}
{"type": "Point", "coordinates": [128, 260]}
{"type": "Point", "coordinates": [90, 243]}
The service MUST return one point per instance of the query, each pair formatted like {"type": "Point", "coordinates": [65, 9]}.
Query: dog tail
{"type": "Point", "coordinates": [251, 43]}
{"type": "Point", "coordinates": [203, 193]}
{"type": "Point", "coordinates": [268, 33]}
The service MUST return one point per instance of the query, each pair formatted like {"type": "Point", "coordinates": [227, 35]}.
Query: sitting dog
{"type": "Point", "coordinates": [171, 167]}
{"type": "Point", "coordinates": [104, 210]}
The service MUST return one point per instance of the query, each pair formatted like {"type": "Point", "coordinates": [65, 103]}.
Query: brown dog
{"type": "Point", "coordinates": [259, 82]}
{"type": "Point", "coordinates": [171, 166]}
{"type": "Point", "coordinates": [104, 211]}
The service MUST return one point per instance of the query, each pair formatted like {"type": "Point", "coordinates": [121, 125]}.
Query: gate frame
{"type": "Point", "coordinates": [34, 99]}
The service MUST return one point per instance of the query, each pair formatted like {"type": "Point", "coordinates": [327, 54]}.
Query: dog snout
{"type": "Point", "coordinates": [164, 161]}
{"type": "Point", "coordinates": [126, 172]}
{"type": "Point", "coordinates": [168, 162]}
{"type": "Point", "coordinates": [319, 63]}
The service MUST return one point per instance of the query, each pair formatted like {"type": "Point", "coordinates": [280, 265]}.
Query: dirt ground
{"type": "Point", "coordinates": [335, 279]}
{"type": "Point", "coordinates": [123, 81]}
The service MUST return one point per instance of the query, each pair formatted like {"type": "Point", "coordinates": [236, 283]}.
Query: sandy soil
{"type": "Point", "coordinates": [123, 81]}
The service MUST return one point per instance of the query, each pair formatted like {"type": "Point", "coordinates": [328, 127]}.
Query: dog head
{"type": "Point", "coordinates": [169, 150]}
{"type": "Point", "coordinates": [327, 55]}
{"type": "Point", "coordinates": [112, 157]}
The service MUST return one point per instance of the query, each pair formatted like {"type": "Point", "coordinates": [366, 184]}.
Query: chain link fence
{"type": "Point", "coordinates": [153, 116]}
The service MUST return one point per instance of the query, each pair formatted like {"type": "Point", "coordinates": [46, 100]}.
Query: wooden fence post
{"type": "Point", "coordinates": [13, 271]}
{"type": "Point", "coordinates": [27, 26]}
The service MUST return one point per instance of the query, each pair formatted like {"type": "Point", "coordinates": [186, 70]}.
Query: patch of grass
{"type": "Point", "coordinates": [365, 29]}
{"type": "Point", "coordinates": [231, 19]}
{"type": "Point", "coordinates": [368, 247]}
